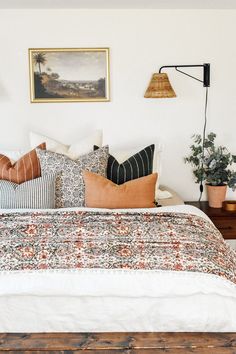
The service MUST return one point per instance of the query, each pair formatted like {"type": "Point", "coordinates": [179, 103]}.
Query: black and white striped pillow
{"type": "Point", "coordinates": [38, 193]}
{"type": "Point", "coordinates": [138, 165]}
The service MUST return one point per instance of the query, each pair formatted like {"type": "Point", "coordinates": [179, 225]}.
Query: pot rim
{"type": "Point", "coordinates": [217, 185]}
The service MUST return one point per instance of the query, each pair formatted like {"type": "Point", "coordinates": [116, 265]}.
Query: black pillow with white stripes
{"type": "Point", "coordinates": [136, 166]}
{"type": "Point", "coordinates": [38, 193]}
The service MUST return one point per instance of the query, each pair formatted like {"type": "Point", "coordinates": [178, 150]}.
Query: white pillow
{"type": "Point", "coordinates": [14, 155]}
{"type": "Point", "coordinates": [74, 151]}
{"type": "Point", "coordinates": [162, 194]}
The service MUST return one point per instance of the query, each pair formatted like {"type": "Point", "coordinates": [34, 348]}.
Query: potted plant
{"type": "Point", "coordinates": [211, 164]}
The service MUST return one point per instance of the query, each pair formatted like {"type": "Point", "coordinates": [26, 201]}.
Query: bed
{"type": "Point", "coordinates": [115, 281]}
{"type": "Point", "coordinates": [65, 289]}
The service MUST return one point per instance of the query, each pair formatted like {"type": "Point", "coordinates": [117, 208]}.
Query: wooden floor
{"type": "Point", "coordinates": [114, 343]}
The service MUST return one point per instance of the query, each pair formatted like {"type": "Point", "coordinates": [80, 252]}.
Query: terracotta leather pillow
{"type": "Point", "coordinates": [25, 169]}
{"type": "Point", "coordinates": [103, 193]}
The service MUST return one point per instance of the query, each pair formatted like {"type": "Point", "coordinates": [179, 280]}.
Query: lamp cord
{"type": "Point", "coordinates": [203, 142]}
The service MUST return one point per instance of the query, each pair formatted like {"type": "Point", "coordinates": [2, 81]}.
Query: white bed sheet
{"type": "Point", "coordinates": [98, 300]}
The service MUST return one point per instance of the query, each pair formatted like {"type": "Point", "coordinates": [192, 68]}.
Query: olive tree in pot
{"type": "Point", "coordinates": [212, 164]}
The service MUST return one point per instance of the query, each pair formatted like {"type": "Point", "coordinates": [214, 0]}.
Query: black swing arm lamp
{"type": "Point", "coordinates": [160, 87]}
{"type": "Point", "coordinates": [206, 72]}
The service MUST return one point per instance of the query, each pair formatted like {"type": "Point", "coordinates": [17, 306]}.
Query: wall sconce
{"type": "Point", "coordinates": [160, 87]}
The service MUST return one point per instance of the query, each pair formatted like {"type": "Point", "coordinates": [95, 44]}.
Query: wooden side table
{"type": "Point", "coordinates": [225, 221]}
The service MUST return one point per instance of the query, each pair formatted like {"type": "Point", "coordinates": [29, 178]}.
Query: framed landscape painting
{"type": "Point", "coordinates": [69, 75]}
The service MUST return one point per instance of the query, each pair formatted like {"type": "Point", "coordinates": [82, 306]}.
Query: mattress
{"type": "Point", "coordinates": [120, 300]}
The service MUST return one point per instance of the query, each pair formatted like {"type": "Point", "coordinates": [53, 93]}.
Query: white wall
{"type": "Point", "coordinates": [140, 42]}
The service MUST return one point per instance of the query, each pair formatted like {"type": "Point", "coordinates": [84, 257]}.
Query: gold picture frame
{"type": "Point", "coordinates": [69, 74]}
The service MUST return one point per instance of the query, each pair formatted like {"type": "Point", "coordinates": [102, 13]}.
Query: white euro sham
{"type": "Point", "coordinates": [73, 151]}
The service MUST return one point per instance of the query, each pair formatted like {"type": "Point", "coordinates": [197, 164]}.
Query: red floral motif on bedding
{"type": "Point", "coordinates": [137, 240]}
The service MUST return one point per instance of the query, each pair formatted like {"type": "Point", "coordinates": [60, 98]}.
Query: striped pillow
{"type": "Point", "coordinates": [38, 193]}
{"type": "Point", "coordinates": [138, 165]}
{"type": "Point", "coordinates": [25, 169]}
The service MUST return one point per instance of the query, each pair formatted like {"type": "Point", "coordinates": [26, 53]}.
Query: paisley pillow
{"type": "Point", "coordinates": [70, 189]}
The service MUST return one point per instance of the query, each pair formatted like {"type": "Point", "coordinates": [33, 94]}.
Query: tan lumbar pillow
{"type": "Point", "coordinates": [103, 193]}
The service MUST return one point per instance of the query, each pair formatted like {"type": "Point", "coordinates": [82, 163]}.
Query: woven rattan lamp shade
{"type": "Point", "coordinates": [159, 87]}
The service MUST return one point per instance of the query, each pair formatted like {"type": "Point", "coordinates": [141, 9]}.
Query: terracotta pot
{"type": "Point", "coordinates": [216, 195]}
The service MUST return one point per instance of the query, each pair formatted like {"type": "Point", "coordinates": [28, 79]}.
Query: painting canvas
{"type": "Point", "coordinates": [69, 75]}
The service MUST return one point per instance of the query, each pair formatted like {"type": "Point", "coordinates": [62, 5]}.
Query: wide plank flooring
{"type": "Point", "coordinates": [115, 343]}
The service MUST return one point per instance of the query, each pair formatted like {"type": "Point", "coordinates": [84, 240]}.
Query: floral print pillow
{"type": "Point", "coordinates": [70, 189]}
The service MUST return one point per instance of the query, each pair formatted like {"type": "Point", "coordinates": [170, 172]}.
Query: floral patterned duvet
{"type": "Point", "coordinates": [110, 240]}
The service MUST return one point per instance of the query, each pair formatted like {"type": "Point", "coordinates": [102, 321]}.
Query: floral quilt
{"type": "Point", "coordinates": [109, 240]}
